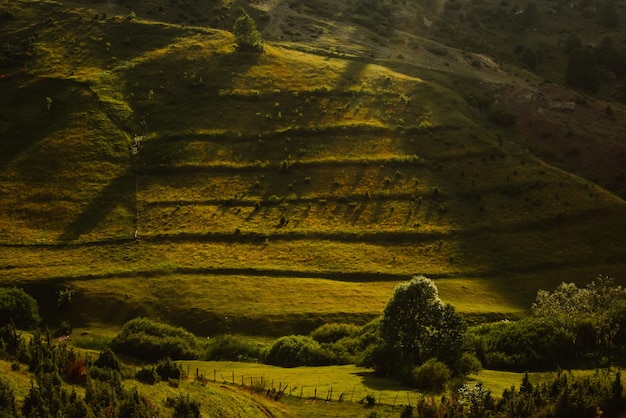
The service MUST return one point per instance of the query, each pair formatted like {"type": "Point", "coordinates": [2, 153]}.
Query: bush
{"type": "Point", "coordinates": [431, 376]}
{"type": "Point", "coordinates": [298, 350]}
{"type": "Point", "coordinates": [232, 348]}
{"type": "Point", "coordinates": [331, 333]}
{"type": "Point", "coordinates": [8, 406]}
{"type": "Point", "coordinates": [151, 341]}
{"type": "Point", "coordinates": [147, 375]}
{"type": "Point", "coordinates": [184, 408]}
{"type": "Point", "coordinates": [108, 360]}
{"type": "Point", "coordinates": [19, 307]}
{"type": "Point", "coordinates": [528, 344]}
{"type": "Point", "coordinates": [65, 328]}
{"type": "Point", "coordinates": [168, 369]}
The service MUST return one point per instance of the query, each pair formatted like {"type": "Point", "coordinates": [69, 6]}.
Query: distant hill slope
{"type": "Point", "coordinates": [158, 170]}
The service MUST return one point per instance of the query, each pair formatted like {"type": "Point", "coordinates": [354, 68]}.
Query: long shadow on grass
{"type": "Point", "coordinates": [377, 383]}
{"type": "Point", "coordinates": [27, 117]}
{"type": "Point", "coordinates": [119, 191]}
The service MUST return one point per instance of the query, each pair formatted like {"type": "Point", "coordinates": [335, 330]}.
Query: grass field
{"type": "Point", "coordinates": [172, 175]}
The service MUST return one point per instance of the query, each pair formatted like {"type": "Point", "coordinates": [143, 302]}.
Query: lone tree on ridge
{"type": "Point", "coordinates": [246, 33]}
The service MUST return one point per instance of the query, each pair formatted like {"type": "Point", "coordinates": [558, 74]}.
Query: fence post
{"type": "Point", "coordinates": [242, 382]}
{"type": "Point", "coordinates": [233, 377]}
{"type": "Point", "coordinates": [214, 373]}
{"type": "Point", "coordinates": [315, 394]}
{"type": "Point", "coordinates": [301, 388]}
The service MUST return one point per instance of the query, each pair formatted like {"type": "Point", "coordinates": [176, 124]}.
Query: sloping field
{"type": "Point", "coordinates": [170, 174]}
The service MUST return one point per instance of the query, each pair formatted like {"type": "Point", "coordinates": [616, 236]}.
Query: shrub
{"type": "Point", "coordinates": [147, 375]}
{"type": "Point", "coordinates": [233, 348]}
{"type": "Point", "coordinates": [330, 333]}
{"type": "Point", "coordinates": [151, 341]}
{"type": "Point", "coordinates": [431, 376]}
{"type": "Point", "coordinates": [184, 407]}
{"type": "Point", "coordinates": [528, 344]}
{"type": "Point", "coordinates": [19, 307]}
{"type": "Point", "coordinates": [65, 328]}
{"type": "Point", "coordinates": [168, 369]}
{"type": "Point", "coordinates": [108, 360]}
{"type": "Point", "coordinates": [246, 34]}
{"type": "Point", "coordinates": [298, 350]}
{"type": "Point", "coordinates": [8, 406]}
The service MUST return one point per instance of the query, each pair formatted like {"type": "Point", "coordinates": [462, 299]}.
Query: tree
{"type": "Point", "coordinates": [569, 307]}
{"type": "Point", "coordinates": [582, 71]}
{"type": "Point", "coordinates": [19, 307]}
{"type": "Point", "coordinates": [246, 34]}
{"type": "Point", "coordinates": [420, 326]}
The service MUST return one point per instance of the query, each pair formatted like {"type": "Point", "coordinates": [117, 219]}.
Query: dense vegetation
{"type": "Point", "coordinates": [569, 327]}
{"type": "Point", "coordinates": [266, 174]}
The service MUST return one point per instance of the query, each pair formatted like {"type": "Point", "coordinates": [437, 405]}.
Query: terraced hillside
{"type": "Point", "coordinates": [156, 169]}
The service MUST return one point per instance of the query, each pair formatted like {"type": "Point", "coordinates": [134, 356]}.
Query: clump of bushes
{"type": "Point", "coordinates": [232, 348]}
{"type": "Point", "coordinates": [19, 307]}
{"type": "Point", "coordinates": [430, 376]}
{"type": "Point", "coordinates": [168, 369]}
{"type": "Point", "coordinates": [331, 333]}
{"type": "Point", "coordinates": [152, 341]}
{"type": "Point", "coordinates": [147, 375]}
{"type": "Point", "coordinates": [298, 350]}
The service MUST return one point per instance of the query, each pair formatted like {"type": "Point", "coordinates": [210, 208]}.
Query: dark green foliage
{"type": "Point", "coordinates": [19, 307]}
{"type": "Point", "coordinates": [108, 360]}
{"type": "Point", "coordinates": [233, 348]}
{"type": "Point", "coordinates": [147, 375]}
{"type": "Point", "coordinates": [64, 301]}
{"type": "Point", "coordinates": [247, 35]}
{"type": "Point", "coordinates": [420, 326]}
{"type": "Point", "coordinates": [168, 369]}
{"type": "Point", "coordinates": [48, 399]}
{"type": "Point", "coordinates": [298, 350]}
{"type": "Point", "coordinates": [11, 341]}
{"type": "Point", "coordinates": [108, 398]}
{"type": "Point", "coordinates": [331, 333]}
{"type": "Point", "coordinates": [65, 328]}
{"type": "Point", "coordinates": [431, 376]}
{"type": "Point", "coordinates": [152, 341]}
{"type": "Point", "coordinates": [582, 71]}
{"type": "Point", "coordinates": [184, 407]}
{"type": "Point", "coordinates": [8, 406]}
{"type": "Point", "coordinates": [382, 358]}
{"type": "Point", "coordinates": [528, 344]}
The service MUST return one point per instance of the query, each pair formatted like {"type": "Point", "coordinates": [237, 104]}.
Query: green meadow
{"type": "Point", "coordinates": [152, 167]}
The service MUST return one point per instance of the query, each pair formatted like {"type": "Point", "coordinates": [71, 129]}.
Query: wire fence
{"type": "Point", "coordinates": [323, 392]}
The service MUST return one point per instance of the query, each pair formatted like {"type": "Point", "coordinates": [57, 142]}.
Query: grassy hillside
{"type": "Point", "coordinates": [156, 169]}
